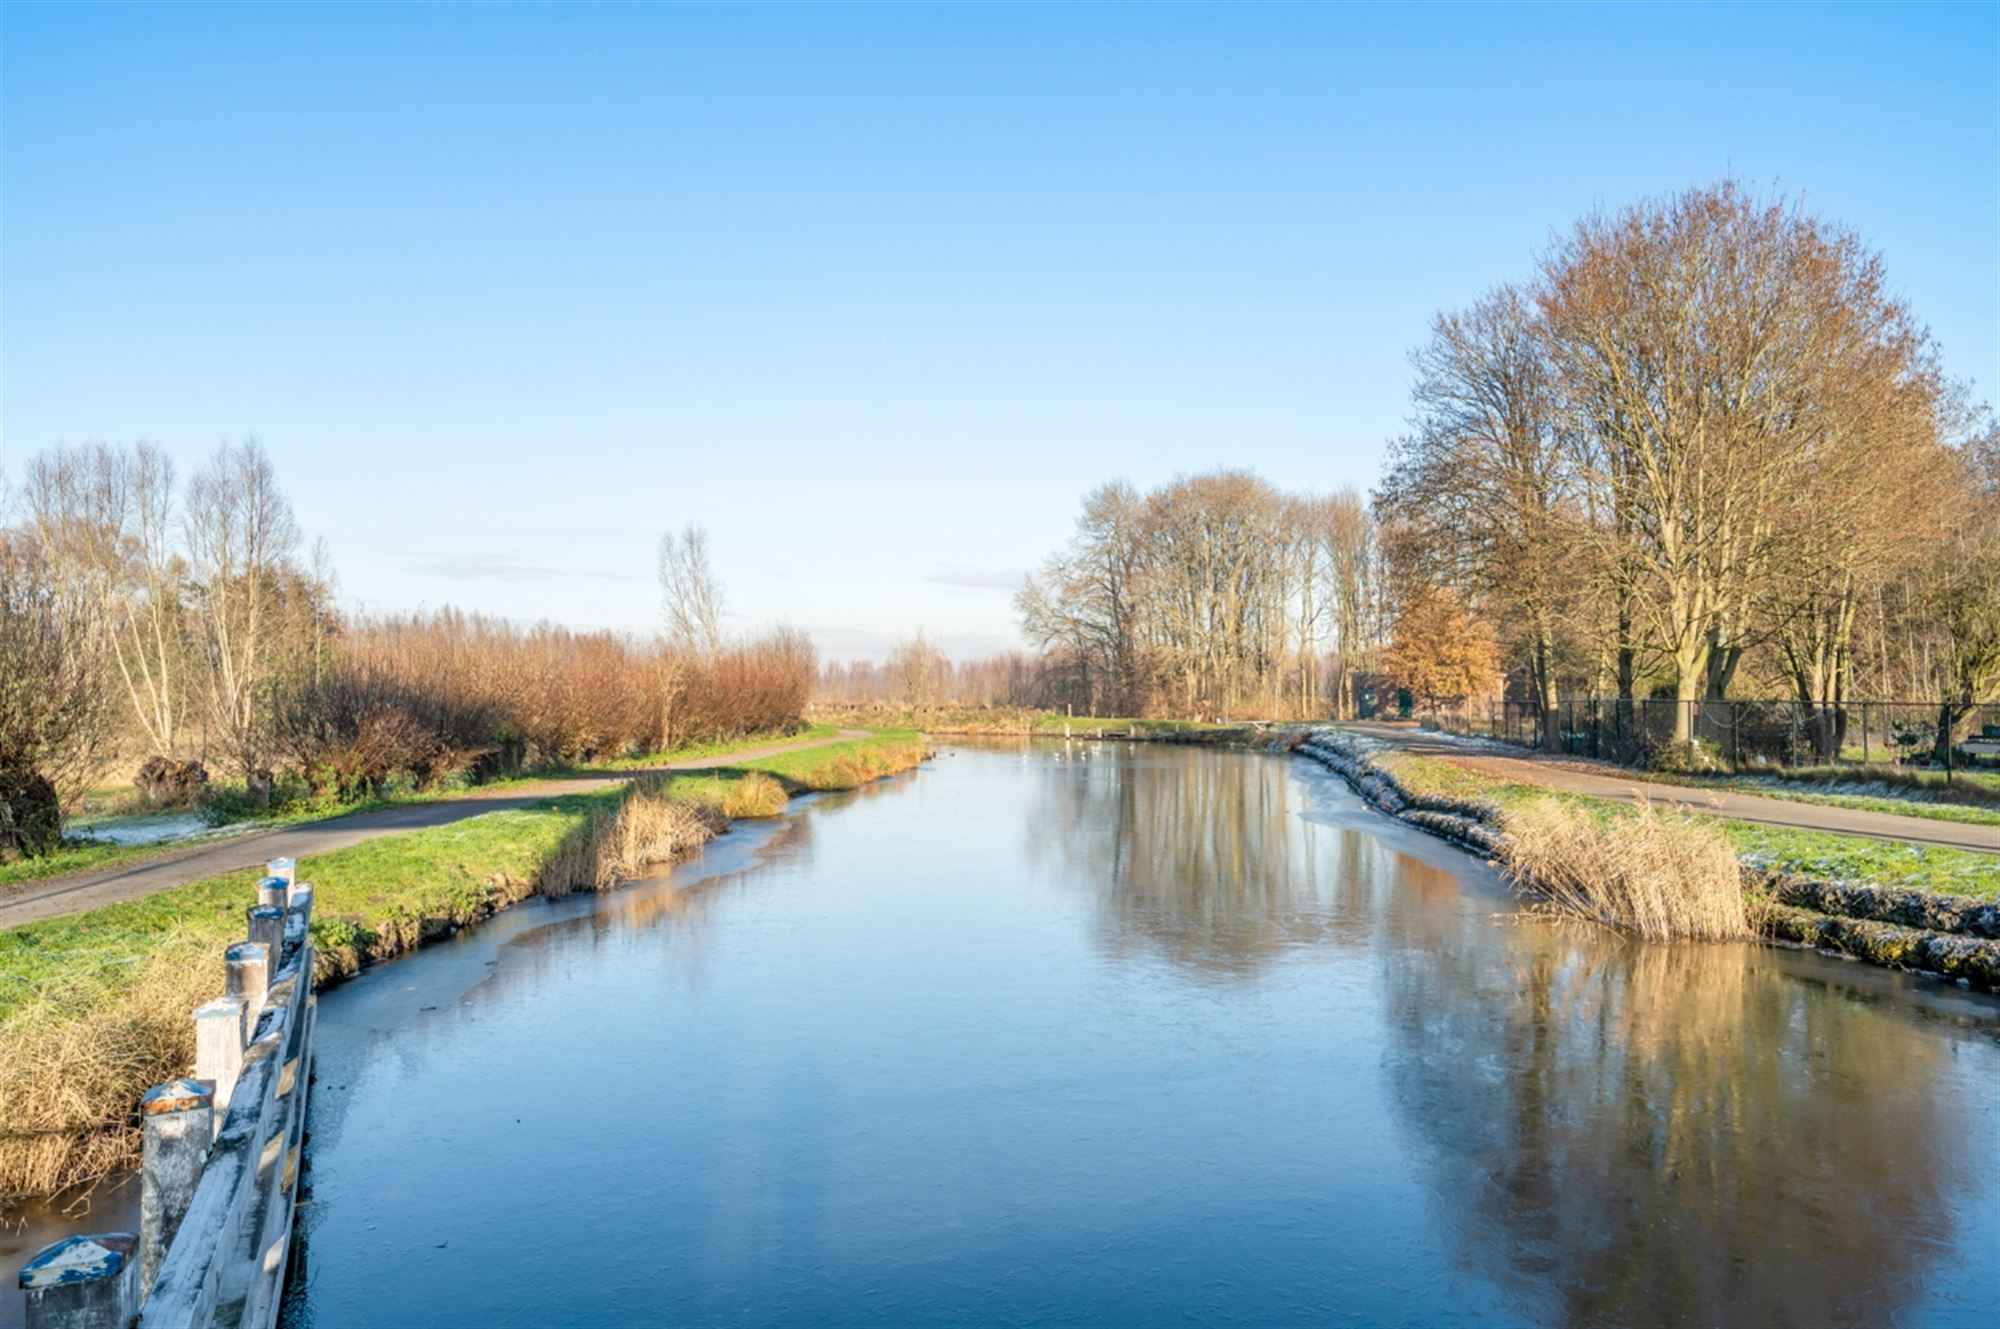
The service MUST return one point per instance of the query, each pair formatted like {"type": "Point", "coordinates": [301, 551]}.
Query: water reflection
{"type": "Point", "coordinates": [1201, 858]}
{"type": "Point", "coordinates": [1646, 1134]}
{"type": "Point", "coordinates": [1611, 1124]}
{"type": "Point", "coordinates": [1112, 1035]}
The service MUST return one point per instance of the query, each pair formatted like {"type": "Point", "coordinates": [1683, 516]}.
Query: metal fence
{"type": "Point", "coordinates": [1739, 735]}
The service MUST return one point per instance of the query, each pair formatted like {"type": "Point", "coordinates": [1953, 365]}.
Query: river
{"type": "Point", "coordinates": [1098, 1034]}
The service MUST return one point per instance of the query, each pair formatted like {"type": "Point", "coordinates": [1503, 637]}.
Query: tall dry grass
{"type": "Point", "coordinates": [649, 826]}
{"type": "Point", "coordinates": [1659, 876]}
{"type": "Point", "coordinates": [67, 1111]}
{"type": "Point", "coordinates": [754, 795]}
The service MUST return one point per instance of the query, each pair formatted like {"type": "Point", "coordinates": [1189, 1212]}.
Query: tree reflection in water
{"type": "Point", "coordinates": [1614, 1126]}
{"type": "Point", "coordinates": [1201, 856]}
{"type": "Point", "coordinates": [1617, 1133]}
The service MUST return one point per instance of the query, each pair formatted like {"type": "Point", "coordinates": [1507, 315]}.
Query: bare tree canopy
{"type": "Point", "coordinates": [690, 592]}
{"type": "Point", "coordinates": [1707, 443]}
{"type": "Point", "coordinates": [1216, 594]}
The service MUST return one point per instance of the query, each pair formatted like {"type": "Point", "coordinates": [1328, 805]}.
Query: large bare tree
{"type": "Point", "coordinates": [1690, 334]}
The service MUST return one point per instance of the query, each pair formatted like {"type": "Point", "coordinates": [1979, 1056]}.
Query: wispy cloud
{"type": "Point", "coordinates": [507, 568]}
{"type": "Point", "coordinates": [980, 579]}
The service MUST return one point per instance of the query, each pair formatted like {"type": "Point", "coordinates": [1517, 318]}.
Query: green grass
{"type": "Point", "coordinates": [1971, 798]}
{"type": "Point", "coordinates": [1000, 720]}
{"type": "Point", "coordinates": [1890, 863]}
{"type": "Point", "coordinates": [720, 748]}
{"type": "Point", "coordinates": [438, 872]}
{"type": "Point", "coordinates": [78, 855]}
{"type": "Point", "coordinates": [1901, 807]}
{"type": "Point", "coordinates": [1808, 853]}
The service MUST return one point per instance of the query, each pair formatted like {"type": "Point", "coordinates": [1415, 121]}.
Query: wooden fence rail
{"type": "Point", "coordinates": [220, 1169]}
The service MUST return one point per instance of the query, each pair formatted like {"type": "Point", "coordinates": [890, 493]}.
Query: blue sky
{"type": "Point", "coordinates": [875, 293]}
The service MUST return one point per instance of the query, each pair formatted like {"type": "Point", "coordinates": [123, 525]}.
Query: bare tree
{"type": "Point", "coordinates": [690, 592]}
{"type": "Point", "coordinates": [1688, 334]}
{"type": "Point", "coordinates": [921, 672]}
{"type": "Point", "coordinates": [242, 543]}
{"type": "Point", "coordinates": [1963, 597]}
{"type": "Point", "coordinates": [1484, 491]}
{"type": "Point", "coordinates": [1349, 537]}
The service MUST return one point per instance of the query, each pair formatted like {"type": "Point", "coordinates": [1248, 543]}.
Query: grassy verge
{"type": "Point", "coordinates": [1807, 853]}
{"type": "Point", "coordinates": [94, 1007]}
{"type": "Point", "coordinates": [1002, 721]}
{"type": "Point", "coordinates": [1967, 799]}
{"type": "Point", "coordinates": [81, 854]}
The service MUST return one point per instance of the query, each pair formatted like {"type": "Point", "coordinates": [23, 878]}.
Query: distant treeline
{"type": "Point", "coordinates": [142, 619]}
{"type": "Point", "coordinates": [1216, 596]}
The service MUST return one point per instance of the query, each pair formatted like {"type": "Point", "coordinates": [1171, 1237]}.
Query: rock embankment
{"type": "Point", "coordinates": [1474, 826]}
{"type": "Point", "coordinates": [1951, 937]}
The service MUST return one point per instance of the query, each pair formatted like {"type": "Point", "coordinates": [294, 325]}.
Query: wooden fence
{"type": "Point", "coordinates": [220, 1169]}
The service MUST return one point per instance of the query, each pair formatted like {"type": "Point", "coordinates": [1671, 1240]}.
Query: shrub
{"type": "Point", "coordinates": [432, 696]}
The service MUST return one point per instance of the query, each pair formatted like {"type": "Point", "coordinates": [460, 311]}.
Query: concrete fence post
{"type": "Point", "coordinates": [83, 1283]}
{"type": "Point", "coordinates": [272, 891]}
{"type": "Point", "coordinates": [267, 925]}
{"type": "Point", "coordinates": [286, 868]}
{"type": "Point", "coordinates": [218, 1047]}
{"type": "Point", "coordinates": [178, 1119]}
{"type": "Point", "coordinates": [248, 965]}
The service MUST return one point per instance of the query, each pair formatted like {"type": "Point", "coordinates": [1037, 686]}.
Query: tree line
{"type": "Point", "coordinates": [1705, 451]}
{"type": "Point", "coordinates": [185, 630]}
{"type": "Point", "coordinates": [1216, 594]}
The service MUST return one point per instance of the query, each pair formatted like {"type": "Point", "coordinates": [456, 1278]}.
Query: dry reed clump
{"type": "Point", "coordinates": [66, 1082]}
{"type": "Point", "coordinates": [648, 827]}
{"type": "Point", "coordinates": [754, 795]}
{"type": "Point", "coordinates": [1661, 877]}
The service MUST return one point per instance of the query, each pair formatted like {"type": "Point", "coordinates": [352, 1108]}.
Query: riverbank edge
{"type": "Point", "coordinates": [139, 1034]}
{"type": "Point", "coordinates": [82, 853]}
{"type": "Point", "coordinates": [1947, 938]}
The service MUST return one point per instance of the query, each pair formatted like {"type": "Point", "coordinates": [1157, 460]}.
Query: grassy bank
{"type": "Point", "coordinates": [95, 1007]}
{"type": "Point", "coordinates": [229, 812]}
{"type": "Point", "coordinates": [1002, 721]}
{"type": "Point", "coordinates": [1807, 853]}
{"type": "Point", "coordinates": [1968, 799]}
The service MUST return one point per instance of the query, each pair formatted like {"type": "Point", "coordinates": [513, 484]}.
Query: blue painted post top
{"type": "Point", "coordinates": [79, 1260]}
{"type": "Point", "coordinates": [183, 1095]}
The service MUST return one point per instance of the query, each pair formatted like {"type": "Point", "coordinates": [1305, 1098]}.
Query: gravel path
{"type": "Point", "coordinates": [1607, 781]}
{"type": "Point", "coordinates": [73, 892]}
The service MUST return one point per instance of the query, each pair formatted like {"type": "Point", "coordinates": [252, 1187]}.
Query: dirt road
{"type": "Point", "coordinates": [74, 892]}
{"type": "Point", "coordinates": [1607, 781]}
